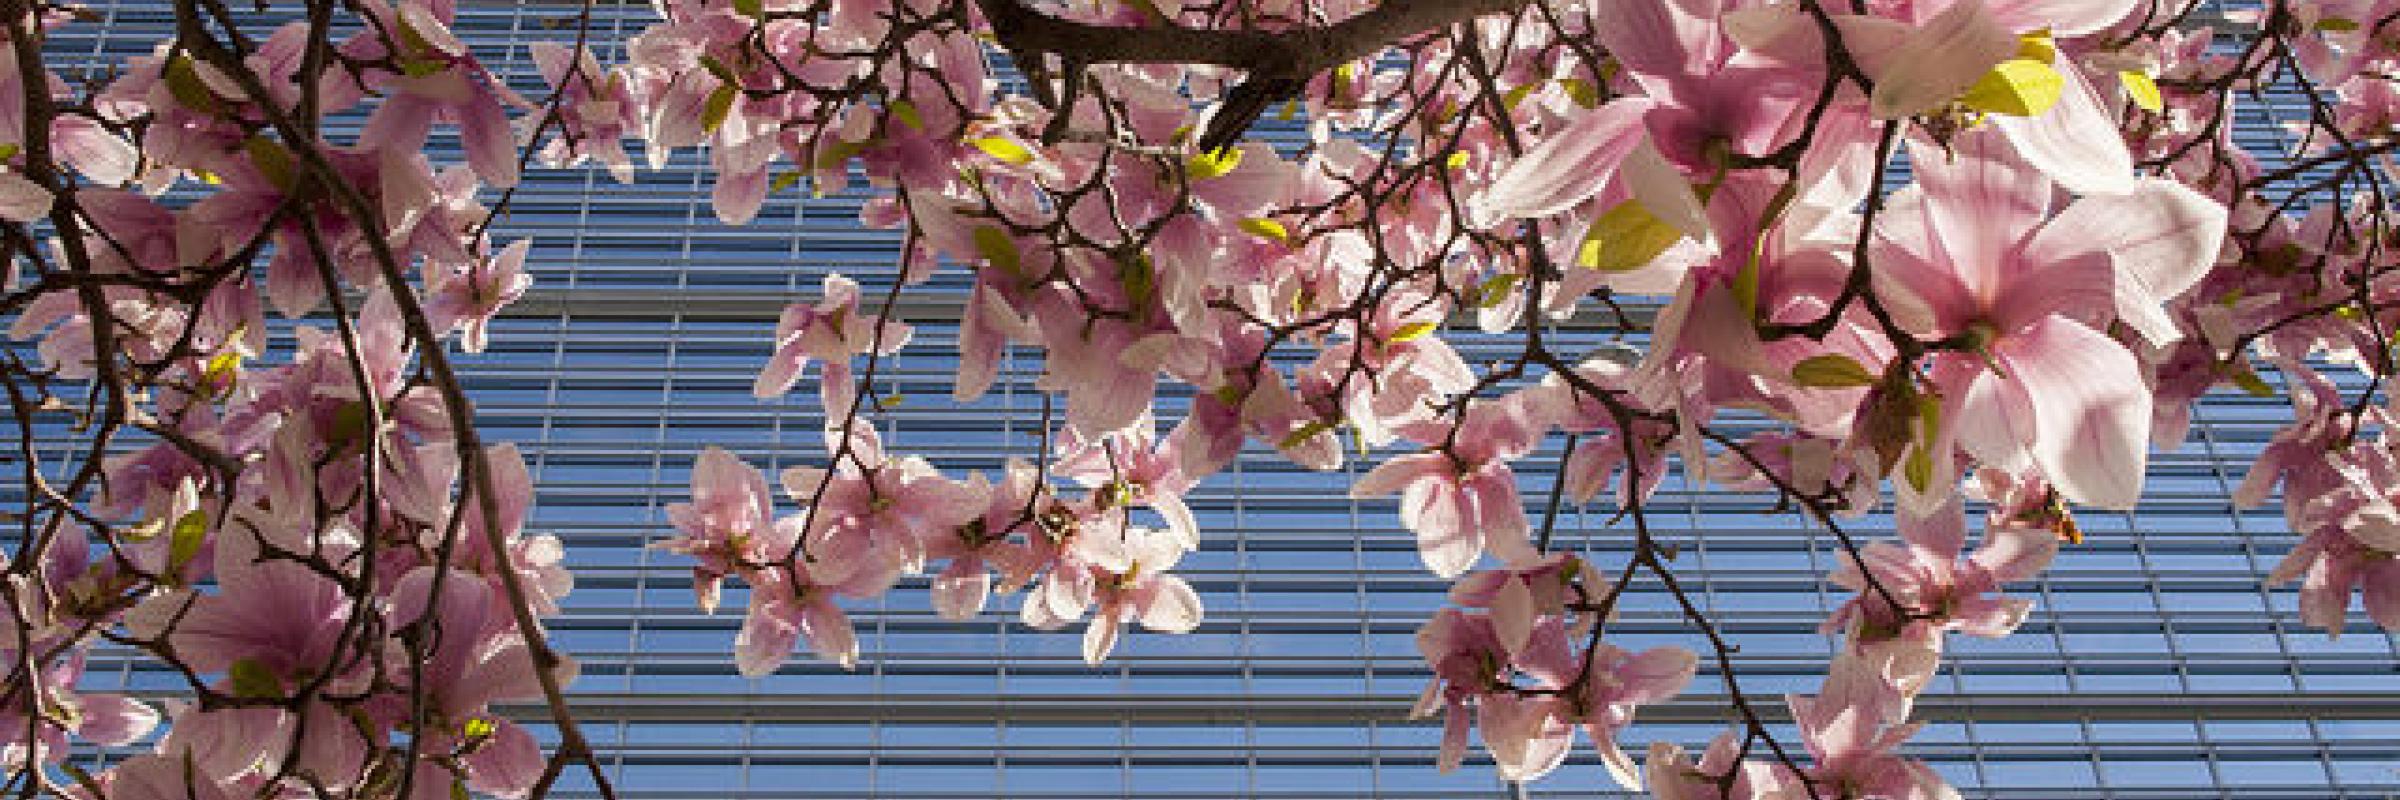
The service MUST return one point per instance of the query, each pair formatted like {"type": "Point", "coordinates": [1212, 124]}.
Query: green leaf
{"type": "Point", "coordinates": [458, 789]}
{"type": "Point", "coordinates": [253, 680]}
{"type": "Point", "coordinates": [724, 73]}
{"type": "Point", "coordinates": [1831, 371]}
{"type": "Point", "coordinates": [2337, 24]}
{"type": "Point", "coordinates": [1140, 278]}
{"type": "Point", "coordinates": [1414, 331]}
{"type": "Point", "coordinates": [184, 84]}
{"type": "Point", "coordinates": [273, 162]}
{"type": "Point", "coordinates": [9, 151]}
{"type": "Point", "coordinates": [2018, 87]}
{"type": "Point", "coordinates": [906, 112]}
{"type": "Point", "coordinates": [1517, 95]}
{"type": "Point", "coordinates": [191, 530]}
{"type": "Point", "coordinates": [1625, 238]}
{"type": "Point", "coordinates": [1919, 467]}
{"type": "Point", "coordinates": [1581, 91]}
{"type": "Point", "coordinates": [2037, 45]}
{"type": "Point", "coordinates": [1495, 291]}
{"type": "Point", "coordinates": [754, 9]}
{"type": "Point", "coordinates": [2143, 90]}
{"type": "Point", "coordinates": [1204, 166]}
{"type": "Point", "coordinates": [720, 107]}
{"type": "Point", "coordinates": [2249, 381]}
{"type": "Point", "coordinates": [994, 245]}
{"type": "Point", "coordinates": [1265, 228]}
{"type": "Point", "coordinates": [832, 155]}
{"type": "Point", "coordinates": [1004, 149]}
{"type": "Point", "coordinates": [1305, 432]}
{"type": "Point", "coordinates": [784, 181]}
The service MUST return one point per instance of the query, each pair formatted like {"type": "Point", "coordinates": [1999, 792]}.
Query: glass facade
{"type": "Point", "coordinates": [2156, 666]}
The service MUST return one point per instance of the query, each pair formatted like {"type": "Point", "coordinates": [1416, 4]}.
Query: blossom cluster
{"type": "Point", "coordinates": [1985, 253]}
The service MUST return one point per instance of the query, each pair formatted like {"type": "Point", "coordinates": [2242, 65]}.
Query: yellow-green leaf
{"type": "Point", "coordinates": [2018, 87]}
{"type": "Point", "coordinates": [717, 68]}
{"type": "Point", "coordinates": [2337, 24]}
{"type": "Point", "coordinates": [833, 154]}
{"type": "Point", "coordinates": [2143, 90]}
{"type": "Point", "coordinates": [2037, 46]}
{"type": "Point", "coordinates": [1265, 228]}
{"type": "Point", "coordinates": [784, 181]}
{"type": "Point", "coordinates": [1627, 237]}
{"type": "Point", "coordinates": [273, 162]}
{"type": "Point", "coordinates": [906, 112]}
{"type": "Point", "coordinates": [1003, 148]}
{"type": "Point", "coordinates": [1457, 159]}
{"type": "Point", "coordinates": [1140, 279]}
{"type": "Point", "coordinates": [191, 530]}
{"type": "Point", "coordinates": [1305, 432]}
{"type": "Point", "coordinates": [1414, 331]}
{"type": "Point", "coordinates": [753, 9]}
{"type": "Point", "coordinates": [1495, 291]}
{"type": "Point", "coordinates": [184, 84]}
{"type": "Point", "coordinates": [1919, 467]}
{"type": "Point", "coordinates": [1582, 91]}
{"type": "Point", "coordinates": [1831, 371]}
{"type": "Point", "coordinates": [253, 680]}
{"type": "Point", "coordinates": [720, 107]}
{"type": "Point", "coordinates": [1517, 95]}
{"type": "Point", "coordinates": [891, 401]}
{"type": "Point", "coordinates": [1204, 166]}
{"type": "Point", "coordinates": [10, 150]}
{"type": "Point", "coordinates": [997, 249]}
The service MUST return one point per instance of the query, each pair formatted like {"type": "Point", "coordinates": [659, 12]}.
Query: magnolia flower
{"type": "Point", "coordinates": [1975, 251]}
{"type": "Point", "coordinates": [468, 298]}
{"type": "Point", "coordinates": [830, 332]}
{"type": "Point", "coordinates": [728, 525]}
{"type": "Point", "coordinates": [1462, 495]}
{"type": "Point", "coordinates": [1121, 577]}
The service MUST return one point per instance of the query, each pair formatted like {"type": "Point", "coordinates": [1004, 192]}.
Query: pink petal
{"type": "Point", "coordinates": [1398, 473]}
{"type": "Point", "coordinates": [508, 764]}
{"type": "Point", "coordinates": [1442, 518]}
{"type": "Point", "coordinates": [766, 639]}
{"type": "Point", "coordinates": [2076, 143]}
{"type": "Point", "coordinates": [1980, 200]}
{"type": "Point", "coordinates": [2065, 18]}
{"type": "Point", "coordinates": [1569, 166]}
{"type": "Point", "coordinates": [1937, 62]}
{"type": "Point", "coordinates": [1173, 608]}
{"type": "Point", "coordinates": [22, 200]}
{"type": "Point", "coordinates": [491, 150]}
{"type": "Point", "coordinates": [1656, 674]}
{"type": "Point", "coordinates": [2163, 236]}
{"type": "Point", "coordinates": [829, 633]}
{"type": "Point", "coordinates": [112, 720]}
{"type": "Point", "coordinates": [1512, 615]}
{"type": "Point", "coordinates": [1100, 637]}
{"type": "Point", "coordinates": [1658, 37]}
{"type": "Point", "coordinates": [959, 592]}
{"type": "Point", "coordinates": [2091, 410]}
{"type": "Point", "coordinates": [738, 196]}
{"type": "Point", "coordinates": [2015, 553]}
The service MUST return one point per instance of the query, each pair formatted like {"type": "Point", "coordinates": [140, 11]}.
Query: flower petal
{"type": "Point", "coordinates": [2091, 410]}
{"type": "Point", "coordinates": [1937, 63]}
{"type": "Point", "coordinates": [1569, 166]}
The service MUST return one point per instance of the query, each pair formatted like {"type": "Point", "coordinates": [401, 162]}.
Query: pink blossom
{"type": "Point", "coordinates": [1460, 494]}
